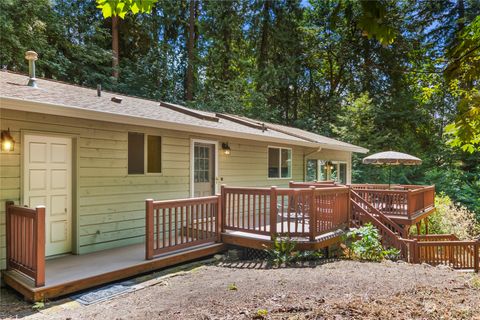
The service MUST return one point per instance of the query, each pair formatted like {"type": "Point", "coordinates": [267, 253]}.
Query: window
{"type": "Point", "coordinates": [312, 168]}
{"type": "Point", "coordinates": [154, 152]}
{"type": "Point", "coordinates": [203, 158]}
{"type": "Point", "coordinates": [329, 170]}
{"type": "Point", "coordinates": [136, 153]}
{"type": "Point", "coordinates": [138, 160]}
{"type": "Point", "coordinates": [279, 163]}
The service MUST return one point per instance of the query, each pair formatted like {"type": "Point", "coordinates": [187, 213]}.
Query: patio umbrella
{"type": "Point", "coordinates": [392, 158]}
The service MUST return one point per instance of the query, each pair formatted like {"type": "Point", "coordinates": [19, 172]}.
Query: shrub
{"type": "Point", "coordinates": [451, 218]}
{"type": "Point", "coordinates": [284, 251]}
{"type": "Point", "coordinates": [364, 244]}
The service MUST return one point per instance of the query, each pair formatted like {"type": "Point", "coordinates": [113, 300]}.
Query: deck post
{"type": "Point", "coordinates": [476, 258]}
{"type": "Point", "coordinates": [409, 203]}
{"type": "Point", "coordinates": [39, 251]}
{"type": "Point", "coordinates": [149, 237]}
{"type": "Point", "coordinates": [416, 251]}
{"type": "Point", "coordinates": [8, 234]}
{"type": "Point", "coordinates": [313, 214]}
{"type": "Point", "coordinates": [223, 199]}
{"type": "Point", "coordinates": [219, 217]}
{"type": "Point", "coordinates": [273, 212]}
{"type": "Point", "coordinates": [349, 206]}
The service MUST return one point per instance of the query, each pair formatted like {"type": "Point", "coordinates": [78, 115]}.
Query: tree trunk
{"type": "Point", "coordinates": [115, 52]}
{"type": "Point", "coordinates": [263, 52]}
{"type": "Point", "coordinates": [190, 52]}
{"type": "Point", "coordinates": [461, 15]}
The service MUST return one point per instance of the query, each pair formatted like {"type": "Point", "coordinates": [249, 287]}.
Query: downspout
{"type": "Point", "coordinates": [305, 160]}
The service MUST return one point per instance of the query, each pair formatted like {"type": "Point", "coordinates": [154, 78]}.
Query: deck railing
{"type": "Point", "coordinates": [177, 224]}
{"type": "Point", "coordinates": [296, 212]}
{"type": "Point", "coordinates": [398, 200]}
{"type": "Point", "coordinates": [361, 216]}
{"type": "Point", "coordinates": [248, 209]}
{"type": "Point", "coordinates": [26, 241]}
{"type": "Point", "coordinates": [385, 220]}
{"type": "Point", "coordinates": [454, 253]}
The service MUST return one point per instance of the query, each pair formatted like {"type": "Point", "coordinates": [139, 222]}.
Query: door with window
{"type": "Point", "coordinates": [204, 161]}
{"type": "Point", "coordinates": [48, 182]}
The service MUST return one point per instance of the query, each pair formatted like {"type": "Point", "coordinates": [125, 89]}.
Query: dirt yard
{"type": "Point", "coordinates": [334, 290]}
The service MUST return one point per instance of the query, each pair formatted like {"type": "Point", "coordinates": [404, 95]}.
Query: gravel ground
{"type": "Point", "coordinates": [334, 290]}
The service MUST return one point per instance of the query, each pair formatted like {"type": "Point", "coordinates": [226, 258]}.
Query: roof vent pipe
{"type": "Point", "coordinates": [31, 56]}
{"type": "Point", "coordinates": [99, 90]}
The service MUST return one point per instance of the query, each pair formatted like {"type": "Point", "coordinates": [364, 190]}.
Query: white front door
{"type": "Point", "coordinates": [48, 181]}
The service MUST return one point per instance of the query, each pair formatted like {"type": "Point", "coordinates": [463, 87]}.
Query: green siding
{"type": "Point", "coordinates": [110, 204]}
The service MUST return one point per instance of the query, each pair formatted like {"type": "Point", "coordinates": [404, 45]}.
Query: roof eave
{"type": "Point", "coordinates": [351, 148]}
{"type": "Point", "coordinates": [75, 112]}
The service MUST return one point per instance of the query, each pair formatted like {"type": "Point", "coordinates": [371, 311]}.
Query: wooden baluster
{"type": "Point", "coordinates": [254, 211]}
{"type": "Point", "coordinates": [248, 211]}
{"type": "Point", "coordinates": [476, 256]}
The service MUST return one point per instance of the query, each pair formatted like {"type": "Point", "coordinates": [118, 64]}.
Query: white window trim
{"type": "Point", "coordinates": [279, 163]}
{"type": "Point", "coordinates": [145, 156]}
{"type": "Point", "coordinates": [192, 164]}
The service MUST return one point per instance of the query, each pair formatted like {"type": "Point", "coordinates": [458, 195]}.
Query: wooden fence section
{"type": "Point", "coordinates": [178, 224]}
{"type": "Point", "coordinates": [456, 254]}
{"type": "Point", "coordinates": [435, 237]}
{"type": "Point", "coordinates": [26, 241]}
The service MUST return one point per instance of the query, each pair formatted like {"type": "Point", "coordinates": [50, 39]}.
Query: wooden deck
{"type": "Point", "coordinates": [71, 273]}
{"type": "Point", "coordinates": [314, 216]}
{"type": "Point", "coordinates": [258, 241]}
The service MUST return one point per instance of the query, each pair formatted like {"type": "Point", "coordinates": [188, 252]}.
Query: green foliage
{"type": "Point", "coordinates": [122, 7]}
{"type": "Point", "coordinates": [39, 305]}
{"type": "Point", "coordinates": [400, 75]}
{"type": "Point", "coordinates": [232, 287]}
{"type": "Point", "coordinates": [461, 182]}
{"type": "Point", "coordinates": [262, 313]}
{"type": "Point", "coordinates": [364, 244]}
{"type": "Point", "coordinates": [283, 252]}
{"type": "Point", "coordinates": [451, 219]}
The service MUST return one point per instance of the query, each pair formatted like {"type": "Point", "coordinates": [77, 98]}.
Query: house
{"type": "Point", "coordinates": [92, 158]}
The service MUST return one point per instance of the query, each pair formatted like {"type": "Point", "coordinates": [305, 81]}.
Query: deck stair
{"type": "Point", "coordinates": [434, 249]}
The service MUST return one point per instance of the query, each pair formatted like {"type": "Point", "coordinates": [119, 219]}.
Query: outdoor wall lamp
{"type": "Point", "coordinates": [7, 141]}
{"type": "Point", "coordinates": [225, 148]}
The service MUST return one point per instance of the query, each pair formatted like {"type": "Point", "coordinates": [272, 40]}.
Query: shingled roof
{"type": "Point", "coordinates": [54, 97]}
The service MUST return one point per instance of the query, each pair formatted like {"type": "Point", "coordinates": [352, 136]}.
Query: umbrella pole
{"type": "Point", "coordinates": [389, 176]}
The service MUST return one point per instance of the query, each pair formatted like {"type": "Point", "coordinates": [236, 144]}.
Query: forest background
{"type": "Point", "coordinates": [385, 75]}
